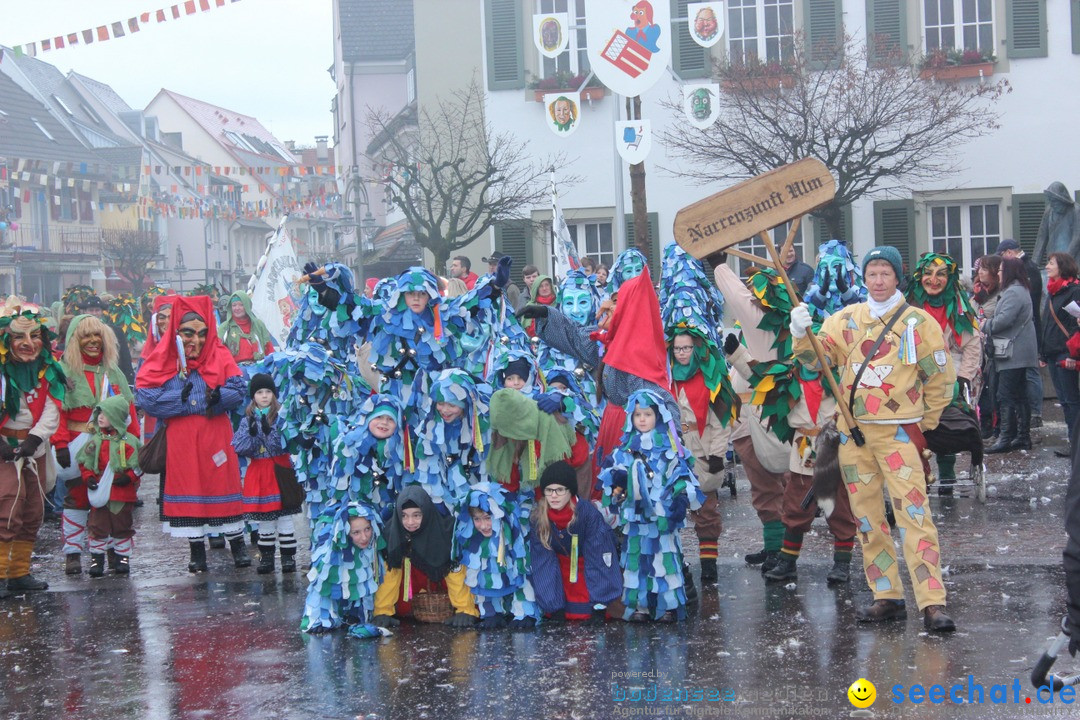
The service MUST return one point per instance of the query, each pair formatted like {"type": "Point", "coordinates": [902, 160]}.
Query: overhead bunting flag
{"type": "Point", "coordinates": [551, 33]}
{"type": "Point", "coordinates": [563, 112]}
{"type": "Point", "coordinates": [566, 257]}
{"type": "Point", "coordinates": [706, 21]}
{"type": "Point", "coordinates": [629, 43]}
{"type": "Point", "coordinates": [112, 30]}
{"type": "Point", "coordinates": [274, 293]}
{"type": "Point", "coordinates": [701, 103]}
{"type": "Point", "coordinates": [633, 138]}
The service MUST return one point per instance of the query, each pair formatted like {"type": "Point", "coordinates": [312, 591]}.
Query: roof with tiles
{"type": "Point", "coordinates": [28, 130]}
{"type": "Point", "coordinates": [373, 30]}
{"type": "Point", "coordinates": [240, 132]}
{"type": "Point", "coordinates": [102, 92]}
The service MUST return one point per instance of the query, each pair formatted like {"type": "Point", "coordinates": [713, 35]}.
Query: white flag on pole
{"type": "Point", "coordinates": [566, 257]}
{"type": "Point", "coordinates": [274, 294]}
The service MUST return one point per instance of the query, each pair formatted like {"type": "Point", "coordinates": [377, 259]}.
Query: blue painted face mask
{"type": "Point", "coordinates": [577, 305]}
{"type": "Point", "coordinates": [632, 268]}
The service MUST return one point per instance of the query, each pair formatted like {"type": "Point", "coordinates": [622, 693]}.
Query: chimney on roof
{"type": "Point", "coordinates": [320, 148]}
{"type": "Point", "coordinates": [290, 145]}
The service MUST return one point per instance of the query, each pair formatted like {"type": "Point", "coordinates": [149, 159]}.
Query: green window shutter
{"type": "Point", "coordinates": [894, 224]}
{"type": "Point", "coordinates": [821, 234]}
{"type": "Point", "coordinates": [1027, 212]}
{"type": "Point", "coordinates": [688, 59]}
{"type": "Point", "coordinates": [514, 238]}
{"type": "Point", "coordinates": [1026, 27]}
{"type": "Point", "coordinates": [886, 23]}
{"type": "Point", "coordinates": [1074, 11]}
{"type": "Point", "coordinates": [505, 62]}
{"type": "Point", "coordinates": [654, 241]}
{"type": "Point", "coordinates": [824, 32]}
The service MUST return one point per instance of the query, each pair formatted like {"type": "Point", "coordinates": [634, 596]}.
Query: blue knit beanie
{"type": "Point", "coordinates": [887, 253]}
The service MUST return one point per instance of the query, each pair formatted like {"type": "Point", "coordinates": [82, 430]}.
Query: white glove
{"type": "Point", "coordinates": [800, 321]}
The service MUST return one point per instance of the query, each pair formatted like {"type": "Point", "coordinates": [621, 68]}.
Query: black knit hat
{"type": "Point", "coordinates": [562, 473]}
{"type": "Point", "coordinates": [261, 381]}
{"type": "Point", "coordinates": [519, 367]}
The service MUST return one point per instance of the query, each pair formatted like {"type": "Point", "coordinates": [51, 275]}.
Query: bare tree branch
{"type": "Point", "coordinates": [454, 177]}
{"type": "Point", "coordinates": [877, 125]}
{"type": "Point", "coordinates": [133, 251]}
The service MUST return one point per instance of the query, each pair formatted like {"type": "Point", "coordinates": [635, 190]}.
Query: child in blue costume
{"type": "Point", "coordinates": [453, 439]}
{"type": "Point", "coordinates": [649, 485]}
{"type": "Point", "coordinates": [319, 396]}
{"type": "Point", "coordinates": [372, 456]}
{"type": "Point", "coordinates": [345, 571]}
{"type": "Point", "coordinates": [491, 541]}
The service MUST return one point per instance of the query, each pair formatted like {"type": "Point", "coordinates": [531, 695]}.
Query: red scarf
{"type": "Point", "coordinates": [641, 350]}
{"type": "Point", "coordinates": [215, 364]}
{"type": "Point", "coordinates": [698, 397]}
{"type": "Point", "coordinates": [546, 300]}
{"type": "Point", "coordinates": [941, 315]}
{"type": "Point", "coordinates": [561, 518]}
{"type": "Point", "coordinates": [1059, 283]}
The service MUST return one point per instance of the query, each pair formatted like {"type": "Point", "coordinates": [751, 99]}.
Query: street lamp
{"type": "Point", "coordinates": [356, 195]}
{"type": "Point", "coordinates": [180, 268]}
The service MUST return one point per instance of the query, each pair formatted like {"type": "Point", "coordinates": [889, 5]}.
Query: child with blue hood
{"type": "Point", "coordinates": [648, 485]}
{"type": "Point", "coordinates": [345, 571]}
{"type": "Point", "coordinates": [453, 439]}
{"type": "Point", "coordinates": [372, 456]}
{"type": "Point", "coordinates": [491, 542]}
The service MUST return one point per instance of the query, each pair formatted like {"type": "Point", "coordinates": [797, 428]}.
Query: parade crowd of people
{"type": "Point", "coordinates": [468, 451]}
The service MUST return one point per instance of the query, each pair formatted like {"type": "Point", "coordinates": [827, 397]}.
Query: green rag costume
{"type": "Point", "coordinates": [232, 333]}
{"type": "Point", "coordinates": [80, 394]}
{"type": "Point", "coordinates": [516, 416]}
{"type": "Point", "coordinates": [116, 410]}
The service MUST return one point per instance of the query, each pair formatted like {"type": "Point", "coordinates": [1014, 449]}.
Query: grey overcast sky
{"type": "Point", "coordinates": [264, 58]}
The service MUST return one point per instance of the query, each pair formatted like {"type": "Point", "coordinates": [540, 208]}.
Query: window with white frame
{"type": "Point", "coordinates": [965, 231]}
{"type": "Point", "coordinates": [959, 24]}
{"type": "Point", "coordinates": [755, 246]}
{"type": "Point", "coordinates": [574, 60]}
{"type": "Point", "coordinates": [761, 30]}
{"type": "Point", "coordinates": [592, 238]}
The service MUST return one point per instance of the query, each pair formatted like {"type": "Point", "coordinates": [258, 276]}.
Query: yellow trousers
{"type": "Point", "coordinates": [890, 459]}
{"type": "Point", "coordinates": [389, 592]}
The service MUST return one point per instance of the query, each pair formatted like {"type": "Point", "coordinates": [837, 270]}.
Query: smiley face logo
{"type": "Point", "coordinates": [862, 693]}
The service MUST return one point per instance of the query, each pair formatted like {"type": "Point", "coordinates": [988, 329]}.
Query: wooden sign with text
{"type": "Point", "coordinates": [761, 203]}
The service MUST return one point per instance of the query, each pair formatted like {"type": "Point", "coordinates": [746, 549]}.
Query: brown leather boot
{"type": "Point", "coordinates": [935, 619]}
{"type": "Point", "coordinates": [882, 610]}
{"type": "Point", "coordinates": [73, 564]}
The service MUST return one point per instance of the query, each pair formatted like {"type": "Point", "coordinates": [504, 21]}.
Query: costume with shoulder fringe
{"type": "Point", "coordinates": [660, 486]}
{"type": "Point", "coordinates": [124, 312]}
{"type": "Point", "coordinates": [496, 567]}
{"type": "Point", "coordinates": [690, 304]}
{"type": "Point", "coordinates": [248, 342]}
{"type": "Point", "coordinates": [452, 456]}
{"type": "Point", "coordinates": [340, 328]}
{"type": "Point", "coordinates": [615, 274]}
{"type": "Point", "coordinates": [319, 395]}
{"type": "Point", "coordinates": [343, 578]}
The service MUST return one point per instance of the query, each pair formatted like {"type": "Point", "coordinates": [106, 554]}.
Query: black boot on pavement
{"type": "Point", "coordinates": [97, 565]}
{"type": "Point", "coordinates": [197, 563]}
{"type": "Point", "coordinates": [1007, 434]}
{"type": "Point", "coordinates": [688, 585]}
{"type": "Point", "coordinates": [784, 571]}
{"type": "Point", "coordinates": [708, 572]}
{"type": "Point", "coordinates": [240, 556]}
{"type": "Point", "coordinates": [772, 557]}
{"type": "Point", "coordinates": [288, 560]}
{"type": "Point", "coordinates": [266, 560]}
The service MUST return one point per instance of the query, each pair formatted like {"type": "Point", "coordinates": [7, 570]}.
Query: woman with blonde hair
{"type": "Point", "coordinates": [575, 562]}
{"type": "Point", "coordinates": [90, 365]}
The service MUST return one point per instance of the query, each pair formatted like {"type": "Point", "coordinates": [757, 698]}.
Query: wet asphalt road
{"type": "Point", "coordinates": [165, 644]}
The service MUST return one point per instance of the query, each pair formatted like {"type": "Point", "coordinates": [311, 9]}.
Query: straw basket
{"type": "Point", "coordinates": [432, 607]}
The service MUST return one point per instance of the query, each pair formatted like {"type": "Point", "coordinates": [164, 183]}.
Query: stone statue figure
{"type": "Point", "coordinates": [1060, 227]}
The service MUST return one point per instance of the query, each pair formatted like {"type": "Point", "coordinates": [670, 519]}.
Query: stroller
{"type": "Point", "coordinates": [958, 432]}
